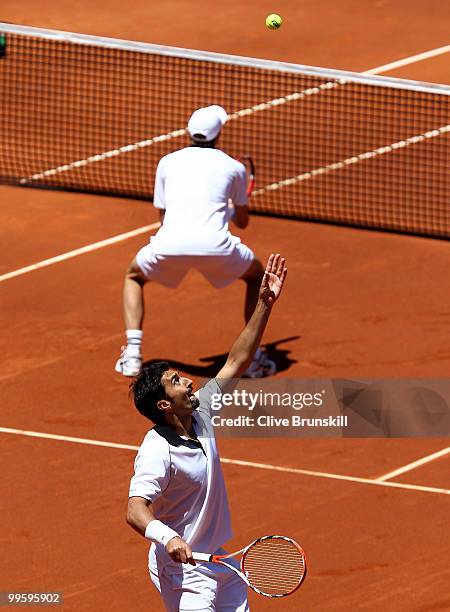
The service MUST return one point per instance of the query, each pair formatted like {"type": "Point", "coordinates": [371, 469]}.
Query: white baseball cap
{"type": "Point", "coordinates": [207, 122]}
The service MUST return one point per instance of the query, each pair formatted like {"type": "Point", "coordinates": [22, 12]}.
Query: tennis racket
{"type": "Point", "coordinates": [273, 566]}
{"type": "Point", "coordinates": [250, 168]}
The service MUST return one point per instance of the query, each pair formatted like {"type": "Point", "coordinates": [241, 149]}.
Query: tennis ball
{"type": "Point", "coordinates": [274, 21]}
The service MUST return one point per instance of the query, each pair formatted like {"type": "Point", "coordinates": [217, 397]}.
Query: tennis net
{"type": "Point", "coordinates": [94, 114]}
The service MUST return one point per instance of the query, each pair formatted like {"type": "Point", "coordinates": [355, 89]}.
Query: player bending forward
{"type": "Point", "coordinates": [193, 190]}
{"type": "Point", "coordinates": [177, 495]}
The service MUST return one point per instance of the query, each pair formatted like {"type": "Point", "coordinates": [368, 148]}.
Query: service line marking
{"type": "Point", "coordinates": [49, 436]}
{"type": "Point", "coordinates": [252, 464]}
{"type": "Point", "coordinates": [80, 251]}
{"type": "Point", "coordinates": [396, 485]}
{"type": "Point", "coordinates": [409, 60]}
{"type": "Point", "coordinates": [414, 465]}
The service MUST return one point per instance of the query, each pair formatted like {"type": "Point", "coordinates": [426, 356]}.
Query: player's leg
{"type": "Point", "coordinates": [252, 278]}
{"type": "Point", "coordinates": [133, 297]}
{"type": "Point", "coordinates": [191, 590]}
{"type": "Point", "coordinates": [261, 365]}
{"type": "Point", "coordinates": [232, 594]}
{"type": "Point", "coordinates": [224, 268]}
{"type": "Point", "coordinates": [130, 361]}
{"type": "Point", "coordinates": [221, 270]}
{"type": "Point", "coordinates": [147, 266]}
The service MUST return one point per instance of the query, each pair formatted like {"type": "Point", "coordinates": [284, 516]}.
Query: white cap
{"type": "Point", "coordinates": [207, 122]}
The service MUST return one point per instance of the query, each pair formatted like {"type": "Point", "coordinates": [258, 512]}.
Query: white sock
{"type": "Point", "coordinates": [134, 340]}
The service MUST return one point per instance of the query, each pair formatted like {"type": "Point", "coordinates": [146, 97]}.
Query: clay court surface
{"type": "Point", "coordinates": [357, 304]}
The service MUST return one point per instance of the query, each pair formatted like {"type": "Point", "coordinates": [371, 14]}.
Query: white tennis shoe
{"type": "Point", "coordinates": [130, 362]}
{"type": "Point", "coordinates": [261, 366]}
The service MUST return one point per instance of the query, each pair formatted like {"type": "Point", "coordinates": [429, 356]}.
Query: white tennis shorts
{"type": "Point", "coordinates": [220, 270]}
{"type": "Point", "coordinates": [202, 588]}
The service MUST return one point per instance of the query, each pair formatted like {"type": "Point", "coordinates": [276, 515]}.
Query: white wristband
{"type": "Point", "coordinates": [160, 533]}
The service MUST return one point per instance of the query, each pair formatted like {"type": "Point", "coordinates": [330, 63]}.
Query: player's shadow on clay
{"type": "Point", "coordinates": [215, 362]}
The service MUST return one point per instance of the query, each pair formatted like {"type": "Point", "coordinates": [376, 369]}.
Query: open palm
{"type": "Point", "coordinates": [274, 277]}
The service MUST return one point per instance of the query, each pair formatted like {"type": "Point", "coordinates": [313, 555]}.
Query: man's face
{"type": "Point", "coordinates": [179, 393]}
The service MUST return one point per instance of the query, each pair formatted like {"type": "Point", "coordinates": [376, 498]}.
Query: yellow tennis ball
{"type": "Point", "coordinates": [274, 21]}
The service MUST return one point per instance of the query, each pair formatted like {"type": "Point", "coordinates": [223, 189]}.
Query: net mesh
{"type": "Point", "coordinates": [86, 116]}
{"type": "Point", "coordinates": [274, 565]}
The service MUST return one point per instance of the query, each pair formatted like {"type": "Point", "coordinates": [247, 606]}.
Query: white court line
{"type": "Point", "coordinates": [261, 466]}
{"type": "Point", "coordinates": [49, 436]}
{"type": "Point", "coordinates": [353, 160]}
{"type": "Point", "coordinates": [80, 251]}
{"type": "Point", "coordinates": [414, 465]}
{"type": "Point", "coordinates": [395, 485]}
{"type": "Point", "coordinates": [409, 60]}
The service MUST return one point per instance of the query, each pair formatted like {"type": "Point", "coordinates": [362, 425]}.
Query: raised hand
{"type": "Point", "coordinates": [274, 277]}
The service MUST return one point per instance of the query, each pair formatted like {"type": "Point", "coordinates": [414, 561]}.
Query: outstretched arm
{"type": "Point", "coordinates": [248, 341]}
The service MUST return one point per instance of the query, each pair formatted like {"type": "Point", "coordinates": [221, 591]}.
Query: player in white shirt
{"type": "Point", "coordinates": [198, 190]}
{"type": "Point", "coordinates": [177, 496]}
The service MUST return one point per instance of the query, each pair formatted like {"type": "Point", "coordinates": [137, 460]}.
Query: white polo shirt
{"type": "Point", "coordinates": [194, 185]}
{"type": "Point", "coordinates": [184, 482]}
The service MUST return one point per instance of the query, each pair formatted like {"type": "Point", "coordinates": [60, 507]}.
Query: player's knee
{"type": "Point", "coordinates": [134, 273]}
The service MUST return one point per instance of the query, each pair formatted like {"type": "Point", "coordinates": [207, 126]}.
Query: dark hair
{"type": "Point", "coordinates": [198, 140]}
{"type": "Point", "coordinates": [147, 389]}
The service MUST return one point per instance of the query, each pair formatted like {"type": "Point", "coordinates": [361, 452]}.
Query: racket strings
{"type": "Point", "coordinates": [275, 566]}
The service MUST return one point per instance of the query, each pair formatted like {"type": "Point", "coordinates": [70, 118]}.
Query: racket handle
{"type": "Point", "coordinates": [201, 556]}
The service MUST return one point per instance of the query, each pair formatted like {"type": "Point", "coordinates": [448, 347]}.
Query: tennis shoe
{"type": "Point", "coordinates": [260, 367]}
{"type": "Point", "coordinates": [130, 362]}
